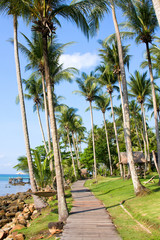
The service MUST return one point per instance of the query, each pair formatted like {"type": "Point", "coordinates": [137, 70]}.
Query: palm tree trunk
{"type": "Point", "coordinates": [47, 120]}
{"type": "Point", "coordinates": [94, 150]}
{"type": "Point", "coordinates": [146, 133]}
{"type": "Point", "coordinates": [40, 123]}
{"type": "Point", "coordinates": [138, 188]}
{"type": "Point", "coordinates": [39, 203]}
{"type": "Point", "coordinates": [62, 206]}
{"type": "Point", "coordinates": [144, 136]}
{"type": "Point", "coordinates": [73, 163]}
{"type": "Point", "coordinates": [109, 153]}
{"type": "Point", "coordinates": [156, 4]}
{"type": "Point", "coordinates": [116, 135]}
{"type": "Point", "coordinates": [154, 105]}
{"type": "Point", "coordinates": [75, 149]}
{"type": "Point", "coordinates": [138, 135]}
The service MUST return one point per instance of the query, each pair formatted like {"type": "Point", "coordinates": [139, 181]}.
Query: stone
{"type": "Point", "coordinates": [10, 237]}
{"type": "Point", "coordinates": [19, 236]}
{"type": "Point", "coordinates": [31, 208]}
{"type": "Point", "coordinates": [13, 209]}
{"type": "Point", "coordinates": [3, 222]}
{"type": "Point", "coordinates": [2, 234]}
{"type": "Point", "coordinates": [10, 214]}
{"type": "Point", "coordinates": [20, 206]}
{"type": "Point", "coordinates": [26, 210]}
{"type": "Point", "coordinates": [17, 227]}
{"type": "Point", "coordinates": [27, 216]}
{"type": "Point", "coordinates": [2, 213]}
{"type": "Point", "coordinates": [35, 215]}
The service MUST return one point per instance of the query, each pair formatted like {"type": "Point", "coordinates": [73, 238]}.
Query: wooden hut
{"type": "Point", "coordinates": [139, 160]}
{"type": "Point", "coordinates": [138, 157]}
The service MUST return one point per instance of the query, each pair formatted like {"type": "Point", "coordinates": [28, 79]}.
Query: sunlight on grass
{"type": "Point", "coordinates": [113, 190]}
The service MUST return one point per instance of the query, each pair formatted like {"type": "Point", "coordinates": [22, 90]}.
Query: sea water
{"type": "Point", "coordinates": [6, 188]}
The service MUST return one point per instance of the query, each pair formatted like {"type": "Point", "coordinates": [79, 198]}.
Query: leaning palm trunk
{"type": "Point", "coordinates": [73, 163]}
{"type": "Point", "coordinates": [138, 188]}
{"type": "Point", "coordinates": [39, 203]}
{"type": "Point", "coordinates": [156, 4]}
{"type": "Point", "coordinates": [154, 105]}
{"type": "Point", "coordinates": [116, 135]}
{"type": "Point", "coordinates": [47, 120]}
{"type": "Point", "coordinates": [109, 153]}
{"type": "Point", "coordinates": [77, 151]}
{"type": "Point", "coordinates": [62, 206]}
{"type": "Point", "coordinates": [40, 123]}
{"type": "Point", "coordinates": [94, 150]}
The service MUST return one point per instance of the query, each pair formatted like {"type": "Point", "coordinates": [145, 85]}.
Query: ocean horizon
{"type": "Point", "coordinates": [6, 188]}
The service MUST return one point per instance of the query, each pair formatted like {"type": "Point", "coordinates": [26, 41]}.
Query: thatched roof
{"type": "Point", "coordinates": [138, 157]}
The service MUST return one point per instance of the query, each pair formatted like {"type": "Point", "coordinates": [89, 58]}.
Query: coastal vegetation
{"type": "Point", "coordinates": [70, 151]}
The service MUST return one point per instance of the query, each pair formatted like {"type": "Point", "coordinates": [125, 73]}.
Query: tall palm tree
{"type": "Point", "coordinates": [96, 15]}
{"type": "Point", "coordinates": [102, 104]}
{"type": "Point", "coordinates": [34, 87]}
{"type": "Point", "coordinates": [109, 80]}
{"type": "Point", "coordinates": [142, 22]}
{"type": "Point", "coordinates": [149, 104]}
{"type": "Point", "coordinates": [140, 87]}
{"type": "Point", "coordinates": [109, 54]}
{"type": "Point", "coordinates": [134, 111]}
{"type": "Point", "coordinates": [17, 9]}
{"type": "Point", "coordinates": [45, 18]}
{"type": "Point", "coordinates": [65, 120]}
{"type": "Point", "coordinates": [89, 89]}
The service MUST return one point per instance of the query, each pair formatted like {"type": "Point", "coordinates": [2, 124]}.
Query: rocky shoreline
{"type": "Point", "coordinates": [15, 215]}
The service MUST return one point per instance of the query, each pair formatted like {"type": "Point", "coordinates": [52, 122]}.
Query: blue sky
{"type": "Point", "coordinates": [83, 54]}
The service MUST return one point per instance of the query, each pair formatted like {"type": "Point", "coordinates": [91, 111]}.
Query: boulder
{"type": "Point", "coordinates": [2, 234]}
{"type": "Point", "coordinates": [2, 213]}
{"type": "Point", "coordinates": [27, 215]}
{"type": "Point", "coordinates": [17, 227]}
{"type": "Point", "coordinates": [10, 237]}
{"type": "Point", "coordinates": [19, 236]}
{"type": "Point", "coordinates": [31, 207]}
{"type": "Point", "coordinates": [13, 208]}
{"type": "Point", "coordinates": [10, 214]}
{"type": "Point", "coordinates": [3, 222]}
{"type": "Point", "coordinates": [35, 214]}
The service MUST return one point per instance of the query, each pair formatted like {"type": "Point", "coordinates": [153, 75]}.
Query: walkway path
{"type": "Point", "coordinates": [88, 219]}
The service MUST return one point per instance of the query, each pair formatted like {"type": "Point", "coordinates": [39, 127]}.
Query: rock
{"type": "Point", "coordinates": [26, 210]}
{"type": "Point", "coordinates": [17, 227]}
{"type": "Point", "coordinates": [35, 215]}
{"type": "Point", "coordinates": [13, 209]}
{"type": "Point", "coordinates": [27, 216]}
{"type": "Point", "coordinates": [20, 206]}
{"type": "Point", "coordinates": [31, 208]}
{"type": "Point", "coordinates": [17, 214]}
{"type": "Point", "coordinates": [2, 213]}
{"type": "Point", "coordinates": [7, 227]}
{"type": "Point", "coordinates": [19, 236]}
{"type": "Point", "coordinates": [3, 222]}
{"type": "Point", "coordinates": [55, 227]}
{"type": "Point", "coordinates": [10, 237]}
{"type": "Point", "coordinates": [2, 234]}
{"type": "Point", "coordinates": [10, 214]}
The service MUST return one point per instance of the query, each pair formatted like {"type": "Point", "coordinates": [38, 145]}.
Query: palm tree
{"type": "Point", "coordinates": [134, 111]}
{"type": "Point", "coordinates": [142, 22]}
{"type": "Point", "coordinates": [65, 121]}
{"type": "Point", "coordinates": [17, 9]}
{"type": "Point", "coordinates": [89, 89]}
{"type": "Point", "coordinates": [102, 104]}
{"type": "Point", "coordinates": [140, 87]}
{"type": "Point", "coordinates": [34, 88]}
{"type": "Point", "coordinates": [96, 15]}
{"type": "Point", "coordinates": [149, 104]}
{"type": "Point", "coordinates": [109, 80]}
{"type": "Point", "coordinates": [156, 5]}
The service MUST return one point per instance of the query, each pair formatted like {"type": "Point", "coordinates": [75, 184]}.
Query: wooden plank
{"type": "Point", "coordinates": [88, 219]}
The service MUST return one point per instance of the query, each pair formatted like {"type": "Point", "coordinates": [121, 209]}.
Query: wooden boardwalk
{"type": "Point", "coordinates": [88, 219]}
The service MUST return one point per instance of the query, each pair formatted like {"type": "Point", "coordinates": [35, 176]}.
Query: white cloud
{"type": "Point", "coordinates": [79, 61]}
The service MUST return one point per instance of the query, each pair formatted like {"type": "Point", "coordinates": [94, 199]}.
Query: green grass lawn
{"type": "Point", "coordinates": [39, 226]}
{"type": "Point", "coordinates": [112, 190]}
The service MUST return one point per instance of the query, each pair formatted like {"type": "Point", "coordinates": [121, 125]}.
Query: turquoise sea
{"type": "Point", "coordinates": [6, 188]}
